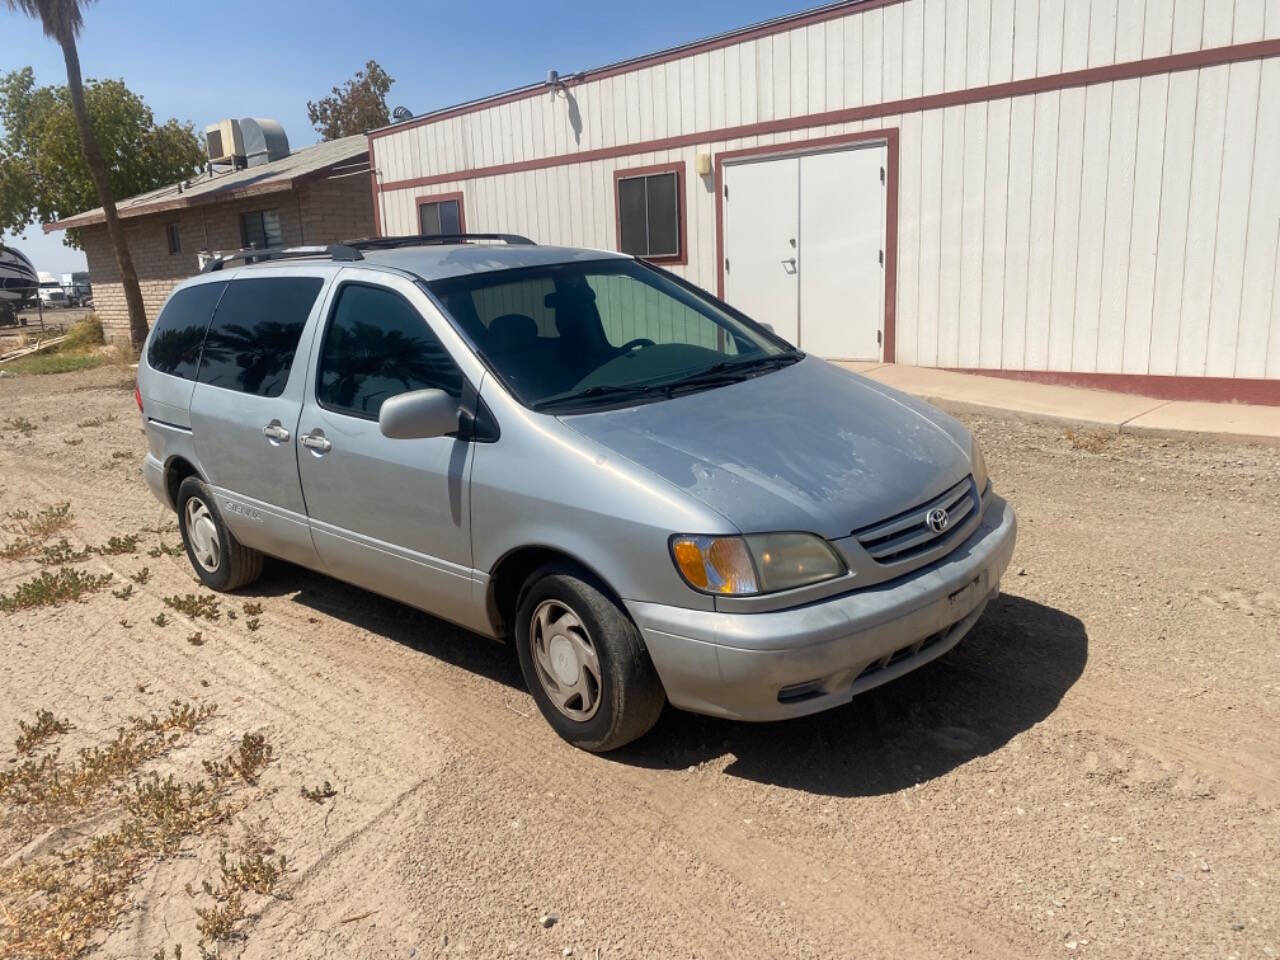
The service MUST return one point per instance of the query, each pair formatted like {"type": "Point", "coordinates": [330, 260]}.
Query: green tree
{"type": "Point", "coordinates": [43, 173]}
{"type": "Point", "coordinates": [358, 106]}
{"type": "Point", "coordinates": [35, 159]}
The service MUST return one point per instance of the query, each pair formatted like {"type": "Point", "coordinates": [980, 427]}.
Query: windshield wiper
{"type": "Point", "coordinates": [731, 371]}
{"type": "Point", "coordinates": [607, 392]}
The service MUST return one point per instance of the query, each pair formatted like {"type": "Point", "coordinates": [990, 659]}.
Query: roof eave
{"type": "Point", "coordinates": [279, 185]}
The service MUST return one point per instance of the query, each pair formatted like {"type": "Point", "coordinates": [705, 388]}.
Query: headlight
{"type": "Point", "coordinates": [759, 563]}
{"type": "Point", "coordinates": [979, 469]}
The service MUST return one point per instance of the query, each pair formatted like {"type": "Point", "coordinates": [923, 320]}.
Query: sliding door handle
{"type": "Point", "coordinates": [275, 432]}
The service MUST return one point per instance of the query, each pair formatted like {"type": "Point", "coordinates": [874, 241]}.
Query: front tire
{"type": "Point", "coordinates": [220, 560]}
{"type": "Point", "coordinates": [584, 662]}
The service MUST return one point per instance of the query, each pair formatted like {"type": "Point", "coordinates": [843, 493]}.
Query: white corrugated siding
{"type": "Point", "coordinates": [1129, 226]}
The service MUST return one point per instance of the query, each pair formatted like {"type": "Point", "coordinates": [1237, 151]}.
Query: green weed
{"type": "Point", "coordinates": [201, 607]}
{"type": "Point", "coordinates": [53, 589]}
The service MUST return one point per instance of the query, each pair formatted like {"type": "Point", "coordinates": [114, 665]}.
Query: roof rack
{"type": "Point", "coordinates": [414, 240]}
{"type": "Point", "coordinates": [334, 251]}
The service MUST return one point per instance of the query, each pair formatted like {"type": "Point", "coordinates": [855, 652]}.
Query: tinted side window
{"type": "Point", "coordinates": [179, 330]}
{"type": "Point", "coordinates": [378, 346]}
{"type": "Point", "coordinates": [254, 334]}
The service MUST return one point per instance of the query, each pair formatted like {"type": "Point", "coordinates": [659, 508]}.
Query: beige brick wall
{"type": "Point", "coordinates": [322, 211]}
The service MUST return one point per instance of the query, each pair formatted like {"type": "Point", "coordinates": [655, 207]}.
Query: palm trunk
{"type": "Point", "coordinates": [98, 171]}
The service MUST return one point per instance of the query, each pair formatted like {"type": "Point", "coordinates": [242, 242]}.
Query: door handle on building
{"type": "Point", "coordinates": [790, 263]}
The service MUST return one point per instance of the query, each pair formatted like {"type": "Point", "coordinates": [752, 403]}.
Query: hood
{"type": "Point", "coordinates": [809, 447]}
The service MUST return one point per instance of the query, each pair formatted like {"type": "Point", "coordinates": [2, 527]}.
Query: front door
{"type": "Point", "coordinates": [804, 244]}
{"type": "Point", "coordinates": [761, 243]}
{"type": "Point", "coordinates": [389, 515]}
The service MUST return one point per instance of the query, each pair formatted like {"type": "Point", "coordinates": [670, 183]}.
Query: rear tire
{"type": "Point", "coordinates": [220, 560]}
{"type": "Point", "coordinates": [584, 662]}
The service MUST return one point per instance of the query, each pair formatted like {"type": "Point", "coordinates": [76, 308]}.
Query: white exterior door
{"type": "Point", "coordinates": [761, 234]}
{"type": "Point", "coordinates": [804, 240]}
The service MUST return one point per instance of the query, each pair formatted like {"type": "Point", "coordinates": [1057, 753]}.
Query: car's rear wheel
{"type": "Point", "coordinates": [220, 560]}
{"type": "Point", "coordinates": [584, 661]}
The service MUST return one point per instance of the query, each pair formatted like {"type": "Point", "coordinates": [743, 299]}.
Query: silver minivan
{"type": "Point", "coordinates": [651, 495]}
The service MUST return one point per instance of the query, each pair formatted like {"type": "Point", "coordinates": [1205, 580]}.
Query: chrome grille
{"type": "Point", "coordinates": [908, 534]}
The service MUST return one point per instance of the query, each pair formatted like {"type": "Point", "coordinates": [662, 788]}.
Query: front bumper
{"type": "Point", "coordinates": [787, 663]}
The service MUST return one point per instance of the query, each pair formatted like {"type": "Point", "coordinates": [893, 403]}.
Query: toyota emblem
{"type": "Point", "coordinates": [938, 520]}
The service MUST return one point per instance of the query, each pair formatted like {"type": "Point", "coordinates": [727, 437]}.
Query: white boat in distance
{"type": "Point", "coordinates": [18, 279]}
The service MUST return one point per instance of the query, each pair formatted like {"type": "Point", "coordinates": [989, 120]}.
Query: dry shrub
{"type": "Point", "coordinates": [1091, 441]}
{"type": "Point", "coordinates": [34, 735]}
{"type": "Point", "coordinates": [57, 906]}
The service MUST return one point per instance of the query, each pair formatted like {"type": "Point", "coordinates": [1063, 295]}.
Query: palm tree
{"type": "Point", "coordinates": [62, 20]}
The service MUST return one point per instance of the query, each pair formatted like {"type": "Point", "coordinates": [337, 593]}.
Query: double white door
{"type": "Point", "coordinates": [804, 247]}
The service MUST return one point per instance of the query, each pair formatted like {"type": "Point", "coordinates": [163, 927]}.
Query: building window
{"type": "Point", "coordinates": [260, 229]}
{"type": "Point", "coordinates": [650, 214]}
{"type": "Point", "coordinates": [174, 237]}
{"type": "Point", "coordinates": [441, 215]}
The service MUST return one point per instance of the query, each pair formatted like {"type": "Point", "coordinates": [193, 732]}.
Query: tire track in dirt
{"type": "Point", "coordinates": [1251, 769]}
{"type": "Point", "coordinates": [632, 799]}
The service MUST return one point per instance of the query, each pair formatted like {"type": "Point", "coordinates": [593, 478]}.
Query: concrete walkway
{"type": "Point", "coordinates": [1119, 411]}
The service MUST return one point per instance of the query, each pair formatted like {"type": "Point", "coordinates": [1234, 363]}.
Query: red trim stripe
{"type": "Point", "coordinates": [1209, 389]}
{"type": "Point", "coordinates": [742, 35]}
{"type": "Point", "coordinates": [1196, 59]}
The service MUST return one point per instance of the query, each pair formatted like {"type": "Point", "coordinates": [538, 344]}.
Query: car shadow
{"type": "Point", "coordinates": [1007, 675]}
{"type": "Point", "coordinates": [388, 618]}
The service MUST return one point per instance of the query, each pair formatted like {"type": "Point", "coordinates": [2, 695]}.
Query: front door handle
{"type": "Point", "coordinates": [317, 441]}
{"type": "Point", "coordinates": [274, 432]}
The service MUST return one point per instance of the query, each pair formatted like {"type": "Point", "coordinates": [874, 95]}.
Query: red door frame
{"type": "Point", "coordinates": [887, 136]}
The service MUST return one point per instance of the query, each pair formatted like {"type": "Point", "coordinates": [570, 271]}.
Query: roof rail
{"type": "Point", "coordinates": [414, 240]}
{"type": "Point", "coordinates": [334, 251]}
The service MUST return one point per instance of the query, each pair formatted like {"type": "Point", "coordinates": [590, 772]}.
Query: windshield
{"type": "Point", "coordinates": [603, 332]}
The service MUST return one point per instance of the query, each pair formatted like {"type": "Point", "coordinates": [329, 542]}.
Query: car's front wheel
{"type": "Point", "coordinates": [220, 560]}
{"type": "Point", "coordinates": [584, 661]}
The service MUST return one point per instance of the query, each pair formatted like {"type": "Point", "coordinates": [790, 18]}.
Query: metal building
{"type": "Point", "coordinates": [1073, 190]}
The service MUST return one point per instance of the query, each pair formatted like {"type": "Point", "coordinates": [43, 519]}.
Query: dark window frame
{"type": "Point", "coordinates": [173, 236]}
{"type": "Point", "coordinates": [657, 169]}
{"type": "Point", "coordinates": [426, 200]}
{"type": "Point", "coordinates": [261, 215]}
{"type": "Point", "coordinates": [334, 301]}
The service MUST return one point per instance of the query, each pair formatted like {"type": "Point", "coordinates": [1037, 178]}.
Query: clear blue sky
{"type": "Point", "coordinates": [234, 58]}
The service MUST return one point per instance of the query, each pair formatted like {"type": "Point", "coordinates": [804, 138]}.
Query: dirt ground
{"type": "Point", "coordinates": [1094, 771]}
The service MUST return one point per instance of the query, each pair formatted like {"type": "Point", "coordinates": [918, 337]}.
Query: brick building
{"type": "Point", "coordinates": [319, 194]}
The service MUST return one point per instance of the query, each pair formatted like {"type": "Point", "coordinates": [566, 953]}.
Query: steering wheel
{"type": "Point", "coordinates": [633, 344]}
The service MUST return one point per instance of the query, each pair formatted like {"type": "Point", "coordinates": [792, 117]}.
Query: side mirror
{"type": "Point", "coordinates": [418, 414]}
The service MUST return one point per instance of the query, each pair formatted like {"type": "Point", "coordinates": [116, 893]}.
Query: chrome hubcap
{"type": "Point", "coordinates": [203, 534]}
{"type": "Point", "coordinates": [565, 660]}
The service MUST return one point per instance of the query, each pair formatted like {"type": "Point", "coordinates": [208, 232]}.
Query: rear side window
{"type": "Point", "coordinates": [179, 330]}
{"type": "Point", "coordinates": [254, 334]}
{"type": "Point", "coordinates": [378, 346]}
